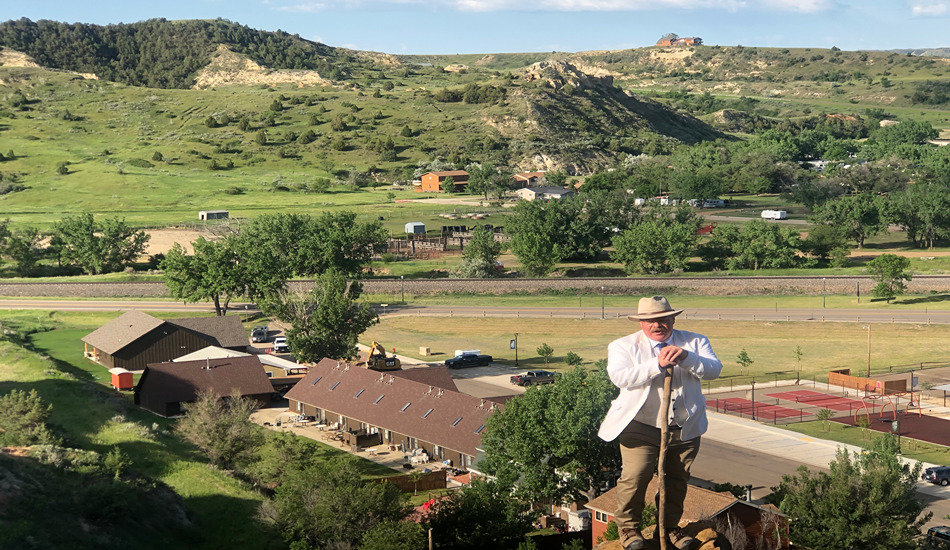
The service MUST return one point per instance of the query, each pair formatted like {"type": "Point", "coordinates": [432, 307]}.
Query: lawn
{"type": "Point", "coordinates": [853, 435]}
{"type": "Point", "coordinates": [771, 345]}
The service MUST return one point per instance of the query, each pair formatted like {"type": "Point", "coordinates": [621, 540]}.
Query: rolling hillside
{"type": "Point", "coordinates": [159, 119]}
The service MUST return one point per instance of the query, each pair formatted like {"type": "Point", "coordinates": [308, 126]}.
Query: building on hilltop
{"type": "Point", "coordinates": [677, 41]}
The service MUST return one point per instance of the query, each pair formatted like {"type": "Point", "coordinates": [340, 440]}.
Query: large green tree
{"type": "Point", "coordinates": [298, 244]}
{"type": "Point", "coordinates": [484, 515]}
{"type": "Point", "coordinates": [890, 272]}
{"type": "Point", "coordinates": [326, 322]}
{"type": "Point", "coordinates": [537, 236]}
{"type": "Point", "coordinates": [923, 212]}
{"type": "Point", "coordinates": [867, 501]}
{"type": "Point", "coordinates": [545, 441]}
{"type": "Point", "coordinates": [219, 426]}
{"type": "Point", "coordinates": [213, 272]}
{"type": "Point", "coordinates": [331, 505]}
{"type": "Point", "coordinates": [858, 216]}
{"type": "Point", "coordinates": [97, 247]}
{"type": "Point", "coordinates": [480, 255]}
{"type": "Point", "coordinates": [659, 244]}
{"type": "Point", "coordinates": [757, 245]}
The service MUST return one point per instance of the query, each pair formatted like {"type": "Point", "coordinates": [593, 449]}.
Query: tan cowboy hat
{"type": "Point", "coordinates": [654, 307]}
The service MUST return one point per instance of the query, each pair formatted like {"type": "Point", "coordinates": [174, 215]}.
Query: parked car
{"type": "Point", "coordinates": [939, 475]}
{"type": "Point", "coordinates": [532, 377]}
{"type": "Point", "coordinates": [281, 345]}
{"type": "Point", "coordinates": [259, 334]}
{"type": "Point", "coordinates": [468, 360]}
{"type": "Point", "coordinates": [938, 538]}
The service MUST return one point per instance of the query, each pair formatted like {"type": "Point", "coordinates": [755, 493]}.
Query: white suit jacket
{"type": "Point", "coordinates": [632, 367]}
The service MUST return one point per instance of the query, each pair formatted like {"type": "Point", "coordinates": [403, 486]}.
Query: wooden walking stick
{"type": "Point", "coordinates": [664, 445]}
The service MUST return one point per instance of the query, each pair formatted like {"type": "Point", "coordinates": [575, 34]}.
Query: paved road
{"type": "Point", "coordinates": [927, 315]}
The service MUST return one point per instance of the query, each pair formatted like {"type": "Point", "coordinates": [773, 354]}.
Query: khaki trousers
{"type": "Point", "coordinates": [640, 451]}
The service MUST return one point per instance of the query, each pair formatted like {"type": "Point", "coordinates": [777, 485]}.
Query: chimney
{"type": "Point", "coordinates": [748, 493]}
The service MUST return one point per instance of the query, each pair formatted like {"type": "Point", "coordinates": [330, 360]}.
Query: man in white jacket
{"type": "Point", "coordinates": [637, 364]}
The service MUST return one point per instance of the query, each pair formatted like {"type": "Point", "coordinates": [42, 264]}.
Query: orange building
{"type": "Point", "coordinates": [432, 181]}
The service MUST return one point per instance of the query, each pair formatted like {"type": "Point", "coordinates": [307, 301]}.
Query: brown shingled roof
{"type": "Point", "coordinates": [227, 329]}
{"type": "Point", "coordinates": [699, 502]}
{"type": "Point", "coordinates": [432, 376]}
{"type": "Point", "coordinates": [121, 331]}
{"type": "Point", "coordinates": [450, 419]}
{"type": "Point", "coordinates": [180, 382]}
{"type": "Point", "coordinates": [131, 325]}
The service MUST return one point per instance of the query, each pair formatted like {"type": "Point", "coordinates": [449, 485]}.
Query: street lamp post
{"type": "Point", "coordinates": [603, 301]}
{"type": "Point", "coordinates": [516, 349]}
{"type": "Point", "coordinates": [402, 284]}
{"type": "Point", "coordinates": [753, 399]}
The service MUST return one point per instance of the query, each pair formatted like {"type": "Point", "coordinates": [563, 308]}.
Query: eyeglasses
{"type": "Point", "coordinates": [660, 321]}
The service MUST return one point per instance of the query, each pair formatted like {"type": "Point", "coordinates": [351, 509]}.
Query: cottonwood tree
{"type": "Point", "coordinates": [658, 244]}
{"type": "Point", "coordinates": [480, 256]}
{"type": "Point", "coordinates": [331, 505]}
{"type": "Point", "coordinates": [866, 501]}
{"type": "Point", "coordinates": [484, 515]}
{"type": "Point", "coordinates": [757, 245]}
{"type": "Point", "coordinates": [219, 426]}
{"type": "Point", "coordinates": [97, 247]}
{"type": "Point", "coordinates": [545, 444]}
{"type": "Point", "coordinates": [857, 216]}
{"type": "Point", "coordinates": [890, 272]}
{"type": "Point", "coordinates": [923, 212]}
{"type": "Point", "coordinates": [213, 272]}
{"type": "Point", "coordinates": [326, 322]}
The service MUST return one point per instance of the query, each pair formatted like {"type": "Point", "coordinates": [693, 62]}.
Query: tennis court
{"type": "Point", "coordinates": [761, 410]}
{"type": "Point", "coordinates": [823, 400]}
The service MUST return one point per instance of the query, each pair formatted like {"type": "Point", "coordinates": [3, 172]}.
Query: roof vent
{"type": "Point", "coordinates": [391, 380]}
{"type": "Point", "coordinates": [440, 393]}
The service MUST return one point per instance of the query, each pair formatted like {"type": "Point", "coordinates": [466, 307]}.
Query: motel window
{"type": "Point", "coordinates": [428, 412]}
{"type": "Point", "coordinates": [404, 407]}
{"type": "Point", "coordinates": [333, 387]}
{"type": "Point", "coordinates": [378, 399]}
{"type": "Point", "coordinates": [457, 420]}
{"type": "Point", "coordinates": [359, 393]}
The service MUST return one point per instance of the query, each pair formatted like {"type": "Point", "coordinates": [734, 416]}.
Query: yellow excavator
{"type": "Point", "coordinates": [377, 359]}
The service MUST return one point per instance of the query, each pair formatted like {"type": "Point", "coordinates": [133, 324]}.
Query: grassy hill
{"type": "Point", "coordinates": [271, 122]}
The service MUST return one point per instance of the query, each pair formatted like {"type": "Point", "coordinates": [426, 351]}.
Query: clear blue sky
{"type": "Point", "coordinates": [491, 26]}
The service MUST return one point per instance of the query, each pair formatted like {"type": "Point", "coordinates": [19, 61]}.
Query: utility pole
{"type": "Point", "coordinates": [869, 350]}
{"type": "Point", "coordinates": [603, 300]}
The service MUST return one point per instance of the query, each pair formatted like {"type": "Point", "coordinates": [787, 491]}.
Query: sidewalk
{"type": "Point", "coordinates": [813, 453]}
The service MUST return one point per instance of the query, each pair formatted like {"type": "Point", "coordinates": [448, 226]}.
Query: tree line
{"type": "Point", "coordinates": [158, 53]}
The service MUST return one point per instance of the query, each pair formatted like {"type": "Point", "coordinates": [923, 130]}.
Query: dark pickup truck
{"type": "Point", "coordinates": [468, 360]}
{"type": "Point", "coordinates": [533, 377]}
